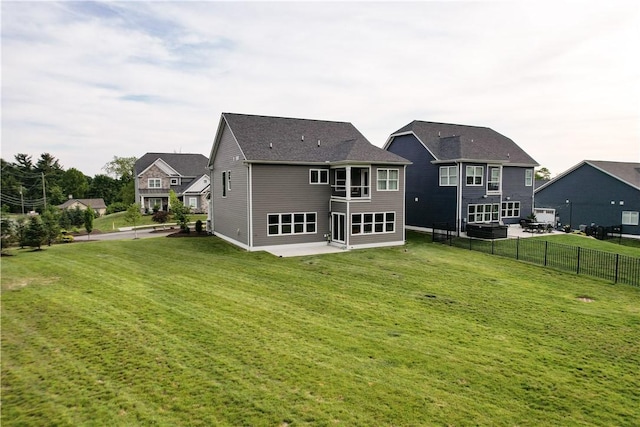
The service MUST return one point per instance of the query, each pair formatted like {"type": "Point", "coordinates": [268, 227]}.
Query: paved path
{"type": "Point", "coordinates": [124, 235]}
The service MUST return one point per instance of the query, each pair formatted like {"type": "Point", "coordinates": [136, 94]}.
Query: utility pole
{"type": "Point", "coordinates": [44, 193]}
{"type": "Point", "coordinates": [22, 199]}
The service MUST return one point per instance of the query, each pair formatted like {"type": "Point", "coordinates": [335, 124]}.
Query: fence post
{"type": "Point", "coordinates": [518, 248]}
{"type": "Point", "coordinates": [578, 267]}
{"type": "Point", "coordinates": [546, 247]}
{"type": "Point", "coordinates": [492, 246]}
{"type": "Point", "coordinates": [616, 278]}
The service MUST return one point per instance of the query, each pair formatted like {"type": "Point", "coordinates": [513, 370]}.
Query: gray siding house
{"type": "Point", "coordinates": [158, 173]}
{"type": "Point", "coordinates": [286, 181]}
{"type": "Point", "coordinates": [595, 192]}
{"type": "Point", "coordinates": [463, 175]}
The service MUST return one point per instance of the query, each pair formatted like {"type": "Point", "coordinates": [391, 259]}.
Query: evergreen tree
{"type": "Point", "coordinates": [35, 234]}
{"type": "Point", "coordinates": [51, 222]}
{"type": "Point", "coordinates": [8, 236]}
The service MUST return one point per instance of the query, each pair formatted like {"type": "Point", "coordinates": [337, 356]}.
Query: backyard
{"type": "Point", "coordinates": [197, 332]}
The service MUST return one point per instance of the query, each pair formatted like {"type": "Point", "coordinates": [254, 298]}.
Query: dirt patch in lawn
{"type": "Point", "coordinates": [585, 298]}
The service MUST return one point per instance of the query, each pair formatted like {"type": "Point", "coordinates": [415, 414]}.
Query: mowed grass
{"type": "Point", "coordinates": [112, 222]}
{"type": "Point", "coordinates": [197, 332]}
{"type": "Point", "coordinates": [624, 246]}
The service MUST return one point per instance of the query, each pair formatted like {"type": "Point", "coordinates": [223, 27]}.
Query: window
{"type": "Point", "coordinates": [193, 202]}
{"type": "Point", "coordinates": [483, 213]}
{"type": "Point", "coordinates": [155, 183]}
{"type": "Point", "coordinates": [373, 223]}
{"type": "Point", "coordinates": [494, 179]}
{"type": "Point", "coordinates": [224, 183]}
{"type": "Point", "coordinates": [629, 218]}
{"type": "Point", "coordinates": [474, 175]}
{"type": "Point", "coordinates": [291, 223]}
{"type": "Point", "coordinates": [528, 177]}
{"type": "Point", "coordinates": [318, 176]}
{"type": "Point", "coordinates": [341, 180]}
{"type": "Point", "coordinates": [448, 176]}
{"type": "Point", "coordinates": [228, 180]}
{"type": "Point", "coordinates": [388, 179]}
{"type": "Point", "coordinates": [510, 210]}
{"type": "Point", "coordinates": [175, 181]}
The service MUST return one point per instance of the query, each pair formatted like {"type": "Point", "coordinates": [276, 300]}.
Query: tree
{"type": "Point", "coordinates": [8, 236]}
{"type": "Point", "coordinates": [133, 216]}
{"type": "Point", "coordinates": [89, 215]}
{"type": "Point", "coordinates": [104, 187]}
{"type": "Point", "coordinates": [51, 222]}
{"type": "Point", "coordinates": [121, 168]}
{"type": "Point", "coordinates": [35, 234]}
{"type": "Point", "coordinates": [543, 174]}
{"type": "Point", "coordinates": [179, 211]}
{"type": "Point", "coordinates": [74, 183]}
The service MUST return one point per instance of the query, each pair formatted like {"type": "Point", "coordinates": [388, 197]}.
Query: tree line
{"type": "Point", "coordinates": [29, 185]}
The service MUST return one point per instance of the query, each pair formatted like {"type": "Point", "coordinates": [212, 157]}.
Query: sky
{"type": "Point", "coordinates": [87, 81]}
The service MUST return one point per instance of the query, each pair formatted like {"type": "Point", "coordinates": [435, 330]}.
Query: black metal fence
{"type": "Point", "coordinates": [605, 265]}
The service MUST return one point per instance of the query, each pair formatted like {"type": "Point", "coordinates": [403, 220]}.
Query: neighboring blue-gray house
{"type": "Point", "coordinates": [463, 174]}
{"type": "Point", "coordinates": [286, 181]}
{"type": "Point", "coordinates": [595, 192]}
{"type": "Point", "coordinates": [184, 173]}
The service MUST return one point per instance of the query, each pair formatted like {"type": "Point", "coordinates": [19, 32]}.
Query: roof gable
{"type": "Point", "coordinates": [461, 142]}
{"type": "Point", "coordinates": [92, 203]}
{"type": "Point", "coordinates": [198, 185]}
{"type": "Point", "coordinates": [291, 140]}
{"type": "Point", "coordinates": [182, 164]}
{"type": "Point", "coordinates": [626, 172]}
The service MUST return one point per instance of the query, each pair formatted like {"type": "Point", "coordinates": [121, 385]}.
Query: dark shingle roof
{"type": "Point", "coordinates": [462, 142]}
{"type": "Point", "coordinates": [290, 140]}
{"type": "Point", "coordinates": [186, 164]}
{"type": "Point", "coordinates": [624, 171]}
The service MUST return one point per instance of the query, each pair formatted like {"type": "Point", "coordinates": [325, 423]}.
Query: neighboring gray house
{"type": "Point", "coordinates": [595, 192]}
{"type": "Point", "coordinates": [158, 173]}
{"type": "Point", "coordinates": [285, 181]}
{"type": "Point", "coordinates": [462, 175]}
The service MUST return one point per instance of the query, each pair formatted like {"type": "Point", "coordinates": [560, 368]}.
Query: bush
{"type": "Point", "coordinates": [116, 207]}
{"type": "Point", "coordinates": [160, 217]}
{"type": "Point", "coordinates": [198, 226]}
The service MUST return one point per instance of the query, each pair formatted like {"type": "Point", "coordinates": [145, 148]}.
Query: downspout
{"type": "Point", "coordinates": [347, 222]}
{"type": "Point", "coordinates": [250, 206]}
{"type": "Point", "coordinates": [459, 207]}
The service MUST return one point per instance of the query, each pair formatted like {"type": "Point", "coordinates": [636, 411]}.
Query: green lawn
{"type": "Point", "coordinates": [110, 223]}
{"type": "Point", "coordinates": [193, 331]}
{"type": "Point", "coordinates": [625, 246]}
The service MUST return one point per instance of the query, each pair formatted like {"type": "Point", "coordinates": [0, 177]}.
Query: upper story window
{"type": "Point", "coordinates": [155, 183]}
{"type": "Point", "coordinates": [528, 177]}
{"type": "Point", "coordinates": [448, 176]}
{"type": "Point", "coordinates": [388, 179]}
{"type": "Point", "coordinates": [175, 181]}
{"type": "Point", "coordinates": [474, 175]}
{"type": "Point", "coordinates": [318, 176]}
{"type": "Point", "coordinates": [493, 184]}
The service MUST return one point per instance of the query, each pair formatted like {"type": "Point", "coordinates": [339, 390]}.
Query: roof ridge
{"type": "Point", "coordinates": [286, 118]}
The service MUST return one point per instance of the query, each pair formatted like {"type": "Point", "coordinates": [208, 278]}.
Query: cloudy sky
{"type": "Point", "coordinates": [86, 81]}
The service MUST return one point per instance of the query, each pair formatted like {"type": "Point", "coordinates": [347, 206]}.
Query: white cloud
{"type": "Point", "coordinates": [87, 81]}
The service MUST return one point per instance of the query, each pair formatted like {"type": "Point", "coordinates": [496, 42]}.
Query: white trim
{"type": "Point", "coordinates": [392, 137]}
{"type": "Point", "coordinates": [387, 180]}
{"type": "Point", "coordinates": [232, 241]}
{"type": "Point", "coordinates": [320, 173]}
{"type": "Point", "coordinates": [163, 166]}
{"type": "Point", "coordinates": [455, 167]}
{"type": "Point", "coordinates": [377, 245]}
{"type": "Point", "coordinates": [533, 177]}
{"type": "Point", "coordinates": [199, 182]}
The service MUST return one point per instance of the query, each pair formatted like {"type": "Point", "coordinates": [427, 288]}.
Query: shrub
{"type": "Point", "coordinates": [116, 207]}
{"type": "Point", "coordinates": [198, 226]}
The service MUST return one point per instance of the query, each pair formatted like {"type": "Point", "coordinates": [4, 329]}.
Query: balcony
{"type": "Point", "coordinates": [356, 187]}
